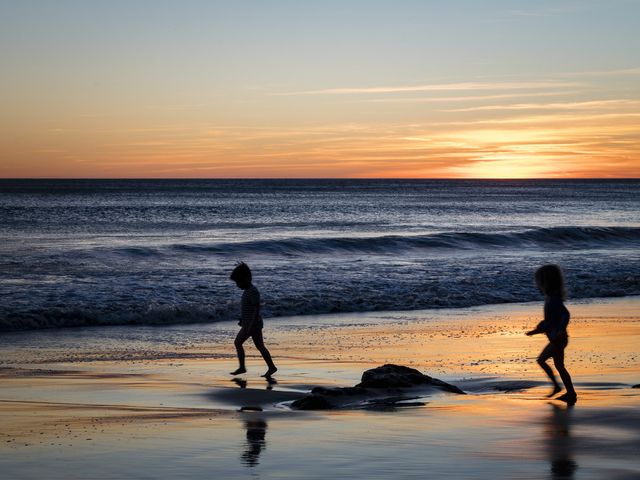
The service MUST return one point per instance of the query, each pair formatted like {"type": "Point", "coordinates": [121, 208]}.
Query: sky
{"type": "Point", "coordinates": [319, 89]}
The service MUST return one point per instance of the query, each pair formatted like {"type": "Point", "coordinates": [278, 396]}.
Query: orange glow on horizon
{"type": "Point", "coordinates": [574, 139]}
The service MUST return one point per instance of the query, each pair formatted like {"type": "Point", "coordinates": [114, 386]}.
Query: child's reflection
{"type": "Point", "coordinates": [256, 431]}
{"type": "Point", "coordinates": [559, 442]}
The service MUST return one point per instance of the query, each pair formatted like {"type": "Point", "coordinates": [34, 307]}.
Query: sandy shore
{"type": "Point", "coordinates": [144, 402]}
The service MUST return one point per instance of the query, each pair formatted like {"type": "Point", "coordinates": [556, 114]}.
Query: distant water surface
{"type": "Point", "coordinates": [76, 252]}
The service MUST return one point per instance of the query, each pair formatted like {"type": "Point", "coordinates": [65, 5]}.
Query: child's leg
{"type": "Point", "coordinates": [240, 339]}
{"type": "Point", "coordinates": [259, 343]}
{"type": "Point", "coordinates": [558, 360]}
{"type": "Point", "coordinates": [548, 352]}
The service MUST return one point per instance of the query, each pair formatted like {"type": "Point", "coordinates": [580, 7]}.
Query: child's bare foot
{"type": "Point", "coordinates": [270, 372]}
{"type": "Point", "coordinates": [555, 390]}
{"type": "Point", "coordinates": [238, 371]}
{"type": "Point", "coordinates": [569, 398]}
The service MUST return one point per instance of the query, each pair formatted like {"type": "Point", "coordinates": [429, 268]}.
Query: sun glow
{"type": "Point", "coordinates": [504, 166]}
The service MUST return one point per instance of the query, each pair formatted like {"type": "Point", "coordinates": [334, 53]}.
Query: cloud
{"type": "Point", "coordinates": [464, 98]}
{"type": "Point", "coordinates": [442, 87]}
{"type": "Point", "coordinates": [552, 106]}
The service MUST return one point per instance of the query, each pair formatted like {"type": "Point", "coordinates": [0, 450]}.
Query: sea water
{"type": "Point", "coordinates": [105, 252]}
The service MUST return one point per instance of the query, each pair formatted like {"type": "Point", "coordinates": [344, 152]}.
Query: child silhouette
{"type": "Point", "coordinates": [250, 320]}
{"type": "Point", "coordinates": [550, 282]}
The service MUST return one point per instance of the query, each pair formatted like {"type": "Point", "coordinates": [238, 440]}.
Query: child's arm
{"type": "Point", "coordinates": [539, 329]}
{"type": "Point", "coordinates": [543, 326]}
{"type": "Point", "coordinates": [255, 305]}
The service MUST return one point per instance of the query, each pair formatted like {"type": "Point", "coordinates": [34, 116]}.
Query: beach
{"type": "Point", "coordinates": [158, 402]}
{"type": "Point", "coordinates": [118, 320]}
{"type": "Point", "coordinates": [391, 205]}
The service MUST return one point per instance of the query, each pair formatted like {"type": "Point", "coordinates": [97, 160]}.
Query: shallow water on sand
{"type": "Point", "coordinates": [475, 438]}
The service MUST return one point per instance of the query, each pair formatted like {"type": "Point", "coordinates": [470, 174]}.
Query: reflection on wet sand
{"type": "Point", "coordinates": [240, 382]}
{"type": "Point", "coordinates": [559, 442]}
{"type": "Point", "coordinates": [271, 382]}
{"type": "Point", "coordinates": [256, 432]}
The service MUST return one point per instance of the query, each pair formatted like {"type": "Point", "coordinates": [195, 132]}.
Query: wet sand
{"type": "Point", "coordinates": [142, 402]}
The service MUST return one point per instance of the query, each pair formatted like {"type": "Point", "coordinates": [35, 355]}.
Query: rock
{"type": "Point", "coordinates": [323, 398]}
{"type": "Point", "coordinates": [398, 376]}
{"type": "Point", "coordinates": [379, 386]}
{"type": "Point", "coordinates": [312, 402]}
{"type": "Point", "coordinates": [636, 386]}
{"type": "Point", "coordinates": [339, 391]}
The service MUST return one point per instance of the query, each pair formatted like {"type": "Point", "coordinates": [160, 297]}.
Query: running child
{"type": "Point", "coordinates": [550, 282]}
{"type": "Point", "coordinates": [250, 320]}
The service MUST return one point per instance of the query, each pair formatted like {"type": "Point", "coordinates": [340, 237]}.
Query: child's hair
{"type": "Point", "coordinates": [550, 280]}
{"type": "Point", "coordinates": [241, 272]}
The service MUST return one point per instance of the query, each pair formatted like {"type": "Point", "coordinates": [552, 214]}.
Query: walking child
{"type": "Point", "coordinates": [250, 320]}
{"type": "Point", "coordinates": [550, 282]}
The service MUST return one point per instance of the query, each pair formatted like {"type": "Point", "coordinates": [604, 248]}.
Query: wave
{"type": "Point", "coordinates": [64, 317]}
{"type": "Point", "coordinates": [305, 291]}
{"type": "Point", "coordinates": [48, 318]}
{"type": "Point", "coordinates": [142, 289]}
{"type": "Point", "coordinates": [562, 237]}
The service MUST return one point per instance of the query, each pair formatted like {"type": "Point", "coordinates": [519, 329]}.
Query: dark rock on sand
{"type": "Point", "coordinates": [313, 402]}
{"type": "Point", "coordinates": [382, 385]}
{"type": "Point", "coordinates": [339, 391]}
{"type": "Point", "coordinates": [636, 386]}
{"type": "Point", "coordinates": [398, 376]}
{"type": "Point", "coordinates": [321, 397]}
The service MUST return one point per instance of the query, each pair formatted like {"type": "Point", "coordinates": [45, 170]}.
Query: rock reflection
{"type": "Point", "coordinates": [256, 432]}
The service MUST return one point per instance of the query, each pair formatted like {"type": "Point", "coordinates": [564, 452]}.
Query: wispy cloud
{"type": "Point", "coordinates": [442, 87]}
{"type": "Point", "coordinates": [465, 98]}
{"type": "Point", "coordinates": [595, 104]}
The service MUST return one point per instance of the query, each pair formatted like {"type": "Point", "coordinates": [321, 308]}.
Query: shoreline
{"type": "Point", "coordinates": [332, 315]}
{"type": "Point", "coordinates": [214, 341]}
{"type": "Point", "coordinates": [160, 320]}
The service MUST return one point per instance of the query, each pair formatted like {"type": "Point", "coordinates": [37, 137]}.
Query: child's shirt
{"type": "Point", "coordinates": [250, 307]}
{"type": "Point", "coordinates": [556, 317]}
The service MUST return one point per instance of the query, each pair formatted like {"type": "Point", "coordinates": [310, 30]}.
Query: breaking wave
{"type": "Point", "coordinates": [562, 237]}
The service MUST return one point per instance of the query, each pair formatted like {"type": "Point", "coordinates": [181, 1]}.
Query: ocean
{"type": "Point", "coordinates": [113, 252]}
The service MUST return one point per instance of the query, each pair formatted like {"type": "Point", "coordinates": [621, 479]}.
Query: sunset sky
{"type": "Point", "coordinates": [239, 88]}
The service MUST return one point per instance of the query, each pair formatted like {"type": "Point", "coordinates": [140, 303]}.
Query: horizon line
{"type": "Point", "coordinates": [318, 178]}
